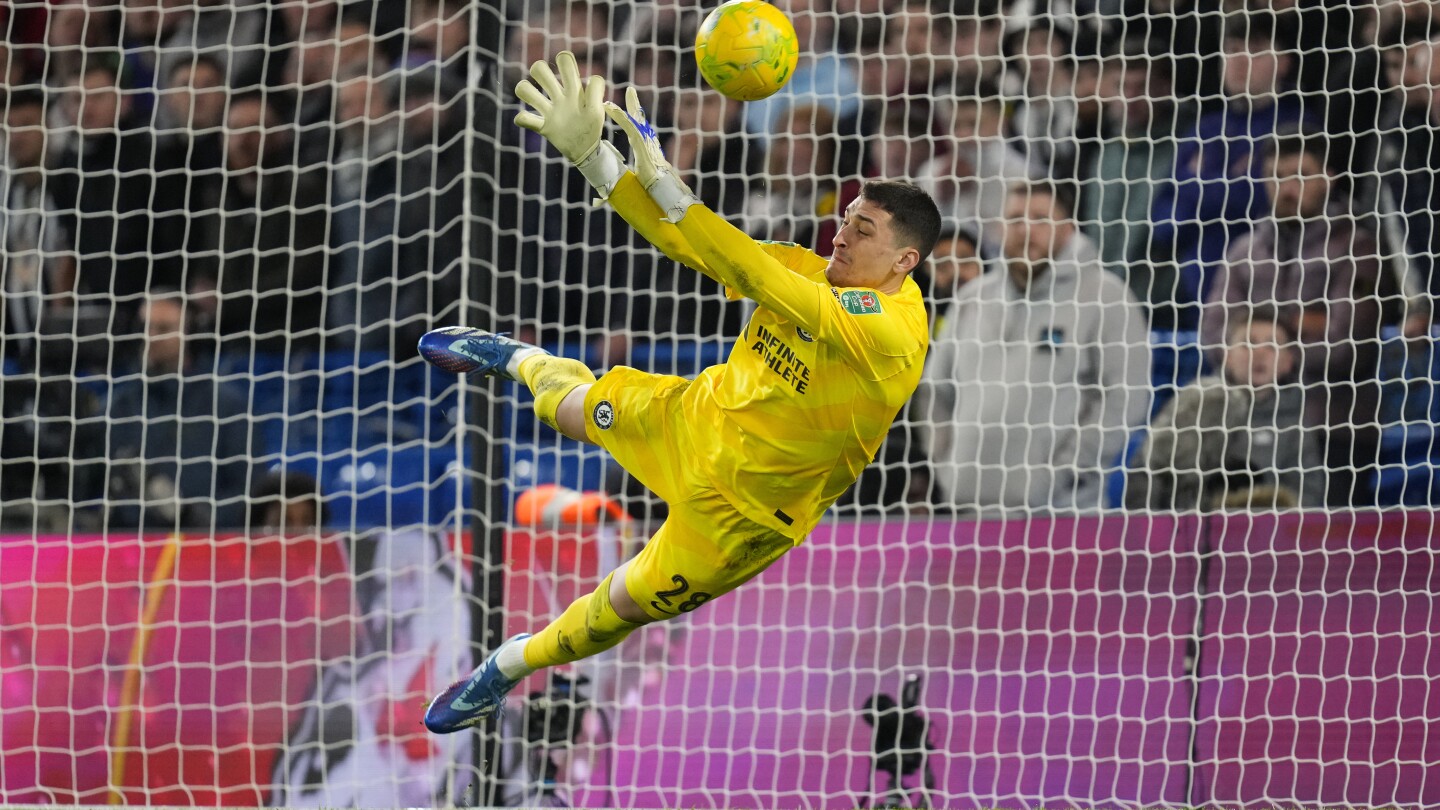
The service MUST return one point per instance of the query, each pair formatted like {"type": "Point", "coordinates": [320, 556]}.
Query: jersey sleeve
{"type": "Point", "coordinates": [871, 335]}
{"type": "Point", "coordinates": [634, 205]}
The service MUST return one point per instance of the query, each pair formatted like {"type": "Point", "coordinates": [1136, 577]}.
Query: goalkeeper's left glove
{"type": "Point", "coordinates": [569, 114]}
{"type": "Point", "coordinates": [654, 172]}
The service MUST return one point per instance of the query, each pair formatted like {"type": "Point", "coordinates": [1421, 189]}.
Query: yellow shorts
{"type": "Point", "coordinates": [706, 547]}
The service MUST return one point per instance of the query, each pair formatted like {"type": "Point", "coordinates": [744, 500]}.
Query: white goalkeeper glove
{"type": "Point", "coordinates": [569, 114]}
{"type": "Point", "coordinates": [654, 172]}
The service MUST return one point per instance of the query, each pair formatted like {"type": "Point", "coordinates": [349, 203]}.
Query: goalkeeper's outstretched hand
{"type": "Point", "coordinates": [651, 168]}
{"type": "Point", "coordinates": [645, 149]}
{"type": "Point", "coordinates": [568, 110]}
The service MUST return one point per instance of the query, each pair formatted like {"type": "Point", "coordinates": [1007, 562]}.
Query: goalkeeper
{"type": "Point", "coordinates": [749, 454]}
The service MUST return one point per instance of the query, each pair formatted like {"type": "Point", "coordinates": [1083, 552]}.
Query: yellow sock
{"type": "Point", "coordinates": [550, 379]}
{"type": "Point", "coordinates": [588, 627]}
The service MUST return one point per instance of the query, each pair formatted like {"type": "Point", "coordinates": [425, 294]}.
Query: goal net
{"type": "Point", "coordinates": [1154, 530]}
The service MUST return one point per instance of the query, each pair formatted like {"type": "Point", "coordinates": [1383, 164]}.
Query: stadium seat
{"type": "Point", "coordinates": [264, 378]}
{"type": "Point", "coordinates": [382, 486]}
{"type": "Point", "coordinates": [1115, 479]}
{"type": "Point", "coordinates": [364, 399]}
{"type": "Point", "coordinates": [1409, 456]}
{"type": "Point", "coordinates": [276, 393]}
{"type": "Point", "coordinates": [449, 486]}
{"type": "Point", "coordinates": [560, 461]}
{"type": "Point", "coordinates": [1409, 407]}
{"type": "Point", "coordinates": [1175, 361]}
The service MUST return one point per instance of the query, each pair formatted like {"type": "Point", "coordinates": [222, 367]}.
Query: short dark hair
{"type": "Point", "coordinates": [1054, 30]}
{"type": "Point", "coordinates": [913, 214]}
{"type": "Point", "coordinates": [1139, 53]}
{"type": "Point", "coordinates": [1262, 26]}
{"type": "Point", "coordinates": [956, 230]}
{"type": "Point", "coordinates": [1299, 143]}
{"type": "Point", "coordinates": [196, 61]}
{"type": "Point", "coordinates": [914, 119]}
{"type": "Point", "coordinates": [982, 93]}
{"type": "Point", "coordinates": [104, 61]}
{"type": "Point", "coordinates": [269, 103]}
{"type": "Point", "coordinates": [1258, 313]}
{"type": "Point", "coordinates": [278, 487]}
{"type": "Point", "coordinates": [988, 11]}
{"type": "Point", "coordinates": [21, 97]}
{"type": "Point", "coordinates": [1060, 194]}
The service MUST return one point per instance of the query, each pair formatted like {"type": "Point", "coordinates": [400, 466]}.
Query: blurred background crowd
{"type": "Point", "coordinates": [1188, 259]}
{"type": "Point", "coordinates": [191, 185]}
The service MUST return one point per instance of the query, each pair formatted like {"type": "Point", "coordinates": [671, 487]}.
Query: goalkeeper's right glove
{"type": "Point", "coordinates": [654, 172]}
{"type": "Point", "coordinates": [570, 115]}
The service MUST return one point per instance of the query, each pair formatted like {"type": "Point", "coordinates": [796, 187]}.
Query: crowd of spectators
{"type": "Point", "coordinates": [184, 182]}
{"type": "Point", "coordinates": [1257, 174]}
{"type": "Point", "coordinates": [1109, 170]}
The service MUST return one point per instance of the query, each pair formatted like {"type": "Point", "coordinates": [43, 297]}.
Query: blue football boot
{"type": "Point", "coordinates": [462, 350]}
{"type": "Point", "coordinates": [477, 698]}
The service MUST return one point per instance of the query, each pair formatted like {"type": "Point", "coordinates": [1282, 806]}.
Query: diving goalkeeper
{"type": "Point", "coordinates": [749, 454]}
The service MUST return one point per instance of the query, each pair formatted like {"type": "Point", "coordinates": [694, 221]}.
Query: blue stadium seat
{"type": "Point", "coordinates": [449, 484]}
{"type": "Point", "coordinates": [275, 392]}
{"type": "Point", "coordinates": [98, 385]}
{"type": "Point", "coordinates": [332, 397]}
{"type": "Point", "coordinates": [263, 378]}
{"type": "Point", "coordinates": [355, 380]}
{"type": "Point", "coordinates": [1409, 457]}
{"type": "Point", "coordinates": [1175, 361]}
{"type": "Point", "coordinates": [1409, 409]}
{"type": "Point", "coordinates": [1115, 479]}
{"type": "Point", "coordinates": [1416, 484]}
{"type": "Point", "coordinates": [382, 486]}
{"type": "Point", "coordinates": [560, 461]}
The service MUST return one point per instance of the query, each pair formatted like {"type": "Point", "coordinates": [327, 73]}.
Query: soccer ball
{"type": "Point", "coordinates": [746, 49]}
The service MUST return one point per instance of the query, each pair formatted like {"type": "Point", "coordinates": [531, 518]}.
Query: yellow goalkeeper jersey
{"type": "Point", "coordinates": [809, 391]}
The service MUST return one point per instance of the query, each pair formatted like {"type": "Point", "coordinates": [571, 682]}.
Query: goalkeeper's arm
{"type": "Point", "coordinates": [569, 113]}
{"type": "Point", "coordinates": [720, 250]}
{"type": "Point", "coordinates": [630, 201]}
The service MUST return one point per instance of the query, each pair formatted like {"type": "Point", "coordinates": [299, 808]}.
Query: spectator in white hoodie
{"type": "Point", "coordinates": [1039, 374]}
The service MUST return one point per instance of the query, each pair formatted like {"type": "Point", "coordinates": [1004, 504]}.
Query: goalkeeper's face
{"type": "Point", "coordinates": [867, 253]}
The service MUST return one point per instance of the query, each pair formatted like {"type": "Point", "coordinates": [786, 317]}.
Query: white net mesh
{"type": "Point", "coordinates": [1155, 529]}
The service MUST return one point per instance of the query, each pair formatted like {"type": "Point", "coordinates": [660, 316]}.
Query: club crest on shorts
{"type": "Point", "coordinates": [860, 302]}
{"type": "Point", "coordinates": [604, 415]}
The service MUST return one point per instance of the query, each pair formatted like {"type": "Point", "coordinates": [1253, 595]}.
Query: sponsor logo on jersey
{"type": "Point", "coordinates": [805, 336]}
{"type": "Point", "coordinates": [604, 415]}
{"type": "Point", "coordinates": [781, 358]}
{"type": "Point", "coordinates": [860, 302]}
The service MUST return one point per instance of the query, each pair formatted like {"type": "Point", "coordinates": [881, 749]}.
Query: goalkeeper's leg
{"type": "Point", "coordinates": [559, 384]}
{"type": "Point", "coordinates": [706, 549]}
